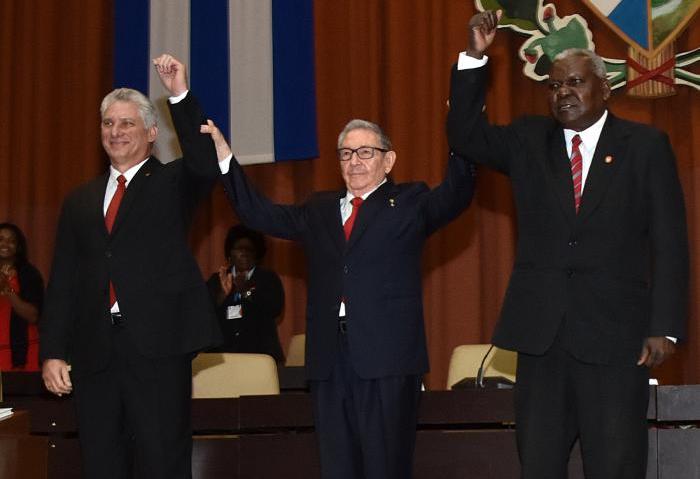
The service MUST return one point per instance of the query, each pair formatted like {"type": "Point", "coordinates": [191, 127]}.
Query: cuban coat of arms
{"type": "Point", "coordinates": [649, 27]}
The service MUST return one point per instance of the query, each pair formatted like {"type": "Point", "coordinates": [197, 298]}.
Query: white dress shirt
{"type": "Point", "coordinates": [345, 212]}
{"type": "Point", "coordinates": [109, 194]}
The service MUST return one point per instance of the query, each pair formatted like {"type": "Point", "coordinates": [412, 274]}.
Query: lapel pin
{"type": "Point", "coordinates": [391, 202]}
{"type": "Point", "coordinates": [148, 173]}
{"type": "Point", "coordinates": [608, 159]}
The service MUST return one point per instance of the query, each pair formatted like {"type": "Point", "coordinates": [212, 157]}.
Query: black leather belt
{"type": "Point", "coordinates": [117, 319]}
{"type": "Point", "coordinates": [342, 325]}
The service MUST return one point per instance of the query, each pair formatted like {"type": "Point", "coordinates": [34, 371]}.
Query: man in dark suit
{"type": "Point", "coordinates": [126, 303]}
{"type": "Point", "coordinates": [365, 337]}
{"type": "Point", "coordinates": [599, 287]}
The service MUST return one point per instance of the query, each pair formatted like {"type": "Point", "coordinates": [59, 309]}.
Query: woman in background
{"type": "Point", "coordinates": [21, 298]}
{"type": "Point", "coordinates": [249, 298]}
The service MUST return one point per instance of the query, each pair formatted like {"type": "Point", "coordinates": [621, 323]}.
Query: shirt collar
{"type": "Point", "coordinates": [589, 136]}
{"type": "Point", "coordinates": [247, 275]}
{"type": "Point", "coordinates": [128, 174]}
{"type": "Point", "coordinates": [349, 196]}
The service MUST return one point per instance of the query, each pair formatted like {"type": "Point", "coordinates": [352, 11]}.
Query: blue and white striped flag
{"type": "Point", "coordinates": [250, 63]}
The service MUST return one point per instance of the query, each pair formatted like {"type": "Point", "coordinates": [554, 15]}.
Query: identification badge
{"type": "Point", "coordinates": [234, 312]}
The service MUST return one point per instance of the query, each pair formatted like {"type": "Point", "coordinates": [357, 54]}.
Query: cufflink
{"type": "Point", "coordinates": [392, 203]}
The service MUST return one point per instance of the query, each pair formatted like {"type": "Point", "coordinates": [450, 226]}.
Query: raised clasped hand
{"type": "Point", "coordinates": [223, 150]}
{"type": "Point", "coordinates": [482, 31]}
{"type": "Point", "coordinates": [172, 73]}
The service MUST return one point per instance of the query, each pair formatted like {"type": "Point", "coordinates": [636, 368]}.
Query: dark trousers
{"type": "Point", "coordinates": [366, 428]}
{"type": "Point", "coordinates": [134, 416]}
{"type": "Point", "coordinates": [558, 398]}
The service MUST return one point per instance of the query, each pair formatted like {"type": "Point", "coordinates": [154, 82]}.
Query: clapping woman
{"type": "Point", "coordinates": [249, 298]}
{"type": "Point", "coordinates": [21, 297]}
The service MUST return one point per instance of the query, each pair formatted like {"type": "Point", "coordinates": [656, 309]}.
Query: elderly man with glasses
{"type": "Point", "coordinates": [366, 350]}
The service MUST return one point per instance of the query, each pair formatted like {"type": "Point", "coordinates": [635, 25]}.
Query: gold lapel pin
{"type": "Point", "coordinates": [608, 159]}
{"type": "Point", "coordinates": [391, 202]}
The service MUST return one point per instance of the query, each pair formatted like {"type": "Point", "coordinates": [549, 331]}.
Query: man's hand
{"type": "Point", "coordinates": [56, 378]}
{"type": "Point", "coordinates": [482, 30]}
{"type": "Point", "coordinates": [173, 74]}
{"type": "Point", "coordinates": [223, 151]}
{"type": "Point", "coordinates": [655, 351]}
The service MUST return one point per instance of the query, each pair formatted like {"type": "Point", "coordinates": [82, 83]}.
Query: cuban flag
{"type": "Point", "coordinates": [630, 16]}
{"type": "Point", "coordinates": [250, 63]}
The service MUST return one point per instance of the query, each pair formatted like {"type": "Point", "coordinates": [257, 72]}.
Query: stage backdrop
{"type": "Point", "coordinates": [387, 61]}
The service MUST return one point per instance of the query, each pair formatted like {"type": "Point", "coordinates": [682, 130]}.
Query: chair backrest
{"type": "Point", "coordinates": [466, 359]}
{"type": "Point", "coordinates": [296, 350]}
{"type": "Point", "coordinates": [224, 375]}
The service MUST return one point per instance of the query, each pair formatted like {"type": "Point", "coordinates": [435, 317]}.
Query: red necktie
{"type": "Point", "coordinates": [576, 169]}
{"type": "Point", "coordinates": [113, 207]}
{"type": "Point", "coordinates": [347, 227]}
{"type": "Point", "coordinates": [110, 216]}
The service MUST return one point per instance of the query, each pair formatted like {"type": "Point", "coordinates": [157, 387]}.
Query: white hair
{"type": "Point", "coordinates": [357, 124]}
{"type": "Point", "coordinates": [147, 111]}
{"type": "Point", "coordinates": [596, 61]}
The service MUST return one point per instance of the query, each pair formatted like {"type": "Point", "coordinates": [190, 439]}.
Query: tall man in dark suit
{"type": "Point", "coordinates": [365, 337]}
{"type": "Point", "coordinates": [600, 279]}
{"type": "Point", "coordinates": [126, 303]}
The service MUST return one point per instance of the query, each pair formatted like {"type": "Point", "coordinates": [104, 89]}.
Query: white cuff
{"type": "Point", "coordinates": [465, 62]}
{"type": "Point", "coordinates": [225, 164]}
{"type": "Point", "coordinates": [179, 98]}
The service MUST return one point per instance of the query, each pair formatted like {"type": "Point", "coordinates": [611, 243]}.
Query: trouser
{"type": "Point", "coordinates": [134, 416]}
{"type": "Point", "coordinates": [366, 428]}
{"type": "Point", "coordinates": [559, 399]}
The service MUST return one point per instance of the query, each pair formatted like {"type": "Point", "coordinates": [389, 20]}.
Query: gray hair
{"type": "Point", "coordinates": [357, 124]}
{"type": "Point", "coordinates": [597, 62]}
{"type": "Point", "coordinates": [147, 111]}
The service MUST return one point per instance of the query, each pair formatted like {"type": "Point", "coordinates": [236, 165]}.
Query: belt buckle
{"type": "Point", "coordinates": [117, 319]}
{"type": "Point", "coordinates": [343, 325]}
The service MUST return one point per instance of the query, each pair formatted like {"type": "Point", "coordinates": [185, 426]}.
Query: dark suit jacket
{"type": "Point", "coordinates": [262, 301]}
{"type": "Point", "coordinates": [378, 271]}
{"type": "Point", "coordinates": [617, 271]}
{"type": "Point", "coordinates": [158, 284]}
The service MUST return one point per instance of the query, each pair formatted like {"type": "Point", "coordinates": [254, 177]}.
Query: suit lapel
{"type": "Point", "coordinates": [96, 201]}
{"type": "Point", "coordinates": [608, 156]}
{"type": "Point", "coordinates": [560, 168]}
{"type": "Point", "coordinates": [133, 190]}
{"type": "Point", "coordinates": [369, 209]}
{"type": "Point", "coordinates": [333, 221]}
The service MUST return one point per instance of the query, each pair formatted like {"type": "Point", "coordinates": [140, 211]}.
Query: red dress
{"type": "Point", "coordinates": [32, 336]}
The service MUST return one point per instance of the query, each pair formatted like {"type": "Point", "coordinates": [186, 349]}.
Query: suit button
{"type": "Point", "coordinates": [345, 269]}
{"type": "Point", "coordinates": [108, 254]}
{"type": "Point", "coordinates": [570, 273]}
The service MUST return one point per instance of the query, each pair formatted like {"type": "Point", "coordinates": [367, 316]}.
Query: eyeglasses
{"type": "Point", "coordinates": [363, 152]}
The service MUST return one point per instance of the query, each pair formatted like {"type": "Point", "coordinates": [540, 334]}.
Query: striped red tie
{"type": "Point", "coordinates": [576, 169]}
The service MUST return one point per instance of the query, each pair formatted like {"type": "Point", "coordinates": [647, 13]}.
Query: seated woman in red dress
{"type": "Point", "coordinates": [21, 297]}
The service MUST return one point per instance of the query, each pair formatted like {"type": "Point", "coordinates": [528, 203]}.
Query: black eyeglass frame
{"type": "Point", "coordinates": [363, 156]}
